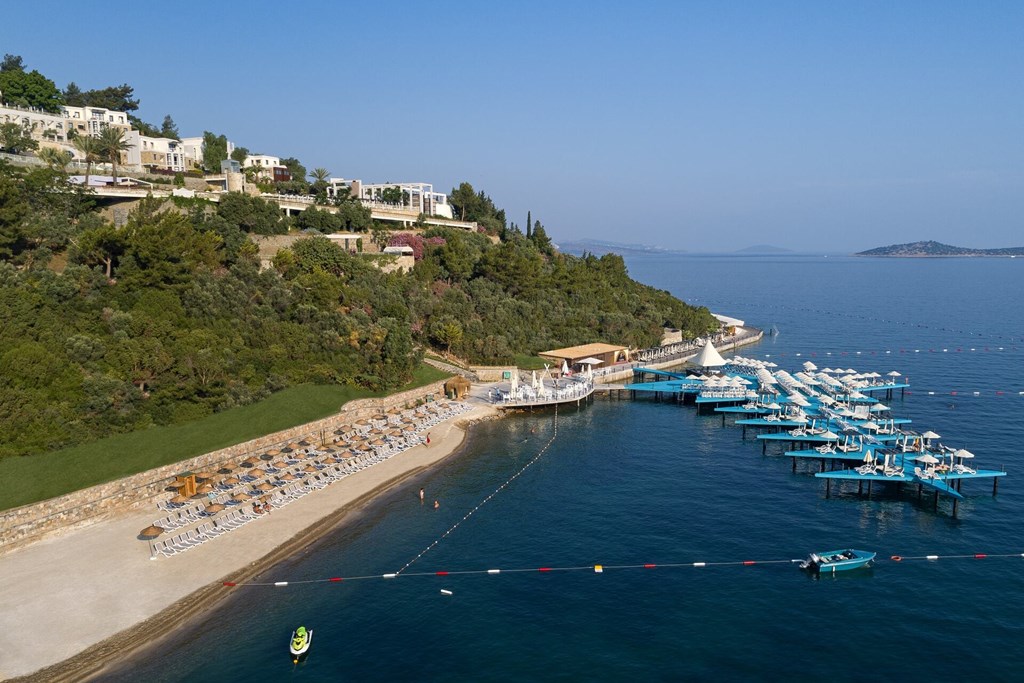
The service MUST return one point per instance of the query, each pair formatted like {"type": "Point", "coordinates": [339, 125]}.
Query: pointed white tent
{"type": "Point", "coordinates": [709, 357]}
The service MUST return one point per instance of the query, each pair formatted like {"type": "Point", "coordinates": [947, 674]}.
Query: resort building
{"type": "Point", "coordinates": [410, 198]}
{"type": "Point", "coordinates": [597, 355]}
{"type": "Point", "coordinates": [156, 154]}
{"type": "Point", "coordinates": [193, 151]}
{"type": "Point", "coordinates": [268, 168]}
{"type": "Point", "coordinates": [40, 125]}
{"type": "Point", "coordinates": [92, 120]}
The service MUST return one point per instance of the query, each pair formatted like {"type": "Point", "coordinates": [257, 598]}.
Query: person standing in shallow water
{"type": "Point", "coordinates": [436, 504]}
{"type": "Point", "coordinates": [421, 496]}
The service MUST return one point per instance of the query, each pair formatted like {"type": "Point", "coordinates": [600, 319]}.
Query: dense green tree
{"type": "Point", "coordinates": [528, 224]}
{"type": "Point", "coordinates": [354, 216]}
{"type": "Point", "coordinates": [240, 154]}
{"type": "Point", "coordinates": [320, 220]}
{"type": "Point", "coordinates": [115, 97]}
{"type": "Point", "coordinates": [252, 214]}
{"type": "Point", "coordinates": [215, 150]}
{"type": "Point", "coordinates": [103, 245]}
{"type": "Point", "coordinates": [12, 63]}
{"type": "Point", "coordinates": [16, 140]}
{"type": "Point", "coordinates": [169, 129]}
{"type": "Point", "coordinates": [29, 88]}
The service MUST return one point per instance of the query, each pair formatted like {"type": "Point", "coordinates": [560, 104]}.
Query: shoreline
{"type": "Point", "coordinates": [87, 642]}
{"type": "Point", "coordinates": [197, 587]}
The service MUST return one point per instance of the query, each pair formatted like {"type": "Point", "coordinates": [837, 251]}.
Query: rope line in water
{"type": "Point", "coordinates": [600, 569]}
{"type": "Point", "coordinates": [479, 505]}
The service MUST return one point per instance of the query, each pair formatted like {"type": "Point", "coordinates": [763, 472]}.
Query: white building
{"type": "Point", "coordinates": [192, 149]}
{"type": "Point", "coordinates": [269, 168]}
{"type": "Point", "coordinates": [40, 125]}
{"type": "Point", "coordinates": [165, 154]}
{"type": "Point", "coordinates": [415, 198]}
{"type": "Point", "coordinates": [91, 120]}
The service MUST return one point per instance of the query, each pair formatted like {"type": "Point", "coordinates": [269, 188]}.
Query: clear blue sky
{"type": "Point", "coordinates": [706, 126]}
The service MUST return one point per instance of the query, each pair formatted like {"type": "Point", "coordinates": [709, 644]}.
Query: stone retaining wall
{"type": "Point", "coordinates": [29, 523]}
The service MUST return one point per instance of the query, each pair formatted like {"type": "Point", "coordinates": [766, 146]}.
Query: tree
{"type": "Point", "coordinates": [215, 150]}
{"type": "Point", "coordinates": [91, 152]}
{"type": "Point", "coordinates": [240, 154]}
{"type": "Point", "coordinates": [529, 222]}
{"type": "Point", "coordinates": [73, 95]}
{"type": "Point", "coordinates": [15, 140]}
{"type": "Point", "coordinates": [30, 89]}
{"type": "Point", "coordinates": [102, 245]}
{"type": "Point", "coordinates": [320, 177]}
{"type": "Point", "coordinates": [116, 97]}
{"type": "Point", "coordinates": [12, 63]}
{"type": "Point", "coordinates": [57, 159]}
{"type": "Point", "coordinates": [297, 171]}
{"type": "Point", "coordinates": [169, 129]}
{"type": "Point", "coordinates": [354, 216]}
{"type": "Point", "coordinates": [251, 214]}
{"type": "Point", "coordinates": [463, 199]}
{"type": "Point", "coordinates": [111, 143]}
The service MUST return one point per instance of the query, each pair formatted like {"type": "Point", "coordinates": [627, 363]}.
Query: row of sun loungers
{"type": "Point", "coordinates": [237, 515]}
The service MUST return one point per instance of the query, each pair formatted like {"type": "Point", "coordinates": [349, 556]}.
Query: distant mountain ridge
{"type": "Point", "coordinates": [931, 248]}
{"type": "Point", "coordinates": [578, 247]}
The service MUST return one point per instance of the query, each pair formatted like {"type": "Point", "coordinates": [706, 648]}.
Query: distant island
{"type": "Point", "coordinates": [931, 249]}
{"type": "Point", "coordinates": [578, 247]}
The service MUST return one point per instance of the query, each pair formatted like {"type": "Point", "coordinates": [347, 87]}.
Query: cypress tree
{"type": "Point", "coordinates": [528, 224]}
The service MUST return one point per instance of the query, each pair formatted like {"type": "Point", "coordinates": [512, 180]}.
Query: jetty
{"type": "Point", "coordinates": [830, 416]}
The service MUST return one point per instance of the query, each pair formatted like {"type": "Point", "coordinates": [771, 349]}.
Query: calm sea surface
{"type": "Point", "coordinates": [632, 482]}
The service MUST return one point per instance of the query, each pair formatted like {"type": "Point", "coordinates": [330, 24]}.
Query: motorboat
{"type": "Point", "coordinates": [299, 645]}
{"type": "Point", "coordinates": [832, 561]}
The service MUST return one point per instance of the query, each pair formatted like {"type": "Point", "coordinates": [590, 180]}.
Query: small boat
{"type": "Point", "coordinates": [832, 561]}
{"type": "Point", "coordinates": [299, 646]}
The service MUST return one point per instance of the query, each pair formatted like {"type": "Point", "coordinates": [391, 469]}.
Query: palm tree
{"type": "Point", "coordinates": [90, 149]}
{"type": "Point", "coordinates": [57, 159]}
{"type": "Point", "coordinates": [320, 175]}
{"type": "Point", "coordinates": [112, 143]}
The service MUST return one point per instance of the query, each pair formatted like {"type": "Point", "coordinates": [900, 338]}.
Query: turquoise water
{"type": "Point", "coordinates": [632, 482]}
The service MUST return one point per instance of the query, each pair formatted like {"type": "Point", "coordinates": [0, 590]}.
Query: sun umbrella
{"type": "Point", "coordinates": [150, 532]}
{"type": "Point", "coordinates": [268, 456]}
{"type": "Point", "coordinates": [274, 451]}
{"type": "Point", "coordinates": [203, 490]}
{"type": "Point", "coordinates": [202, 476]}
{"type": "Point", "coordinates": [280, 464]}
{"type": "Point", "coordinates": [329, 460]}
{"type": "Point", "coordinates": [289, 477]}
{"type": "Point", "coordinates": [249, 463]}
{"type": "Point", "coordinates": [227, 469]}
{"type": "Point", "coordinates": [240, 497]}
{"type": "Point", "coordinates": [930, 435]}
{"type": "Point", "coordinates": [963, 453]}
{"type": "Point", "coordinates": [927, 458]}
{"type": "Point", "coordinates": [868, 456]}
{"type": "Point", "coordinates": [266, 486]}
{"type": "Point", "coordinates": [214, 509]}
{"type": "Point", "coordinates": [310, 468]}
{"type": "Point", "coordinates": [179, 499]}
{"type": "Point", "coordinates": [232, 481]}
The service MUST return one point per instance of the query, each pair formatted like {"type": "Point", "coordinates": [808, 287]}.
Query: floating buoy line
{"type": "Point", "coordinates": [597, 569]}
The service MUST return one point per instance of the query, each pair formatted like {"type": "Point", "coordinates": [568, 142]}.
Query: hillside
{"type": "Point", "coordinates": [591, 246]}
{"type": "Point", "coordinates": [169, 318]}
{"type": "Point", "coordinates": [937, 249]}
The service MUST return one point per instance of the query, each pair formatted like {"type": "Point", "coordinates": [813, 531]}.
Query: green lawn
{"type": "Point", "coordinates": [46, 475]}
{"type": "Point", "coordinates": [531, 362]}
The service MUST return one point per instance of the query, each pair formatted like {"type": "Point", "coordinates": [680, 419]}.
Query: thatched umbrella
{"type": "Point", "coordinates": [310, 468]}
{"type": "Point", "coordinates": [150, 532]}
{"type": "Point", "coordinates": [250, 463]}
{"type": "Point", "coordinates": [266, 486]}
{"type": "Point", "coordinates": [227, 469]}
{"type": "Point", "coordinates": [410, 428]}
{"type": "Point", "coordinates": [232, 481]}
{"type": "Point", "coordinates": [203, 490]}
{"type": "Point", "coordinates": [304, 443]}
{"type": "Point", "coordinates": [241, 497]}
{"type": "Point", "coordinates": [280, 464]}
{"type": "Point", "coordinates": [377, 442]}
{"type": "Point", "coordinates": [204, 476]}
{"type": "Point", "coordinates": [329, 460]}
{"type": "Point", "coordinates": [274, 451]}
{"type": "Point", "coordinates": [179, 499]}
{"type": "Point", "coordinates": [289, 477]}
{"type": "Point", "coordinates": [214, 509]}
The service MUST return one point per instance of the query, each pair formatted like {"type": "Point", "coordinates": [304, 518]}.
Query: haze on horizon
{"type": "Point", "coordinates": [699, 126]}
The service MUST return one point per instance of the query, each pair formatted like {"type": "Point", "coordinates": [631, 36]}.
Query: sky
{"type": "Point", "coordinates": [701, 126]}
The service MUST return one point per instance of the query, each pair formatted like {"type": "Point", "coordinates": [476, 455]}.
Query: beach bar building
{"type": "Point", "coordinates": [597, 356]}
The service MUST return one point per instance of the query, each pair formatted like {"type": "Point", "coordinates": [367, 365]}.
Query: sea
{"type": "Point", "coordinates": [628, 483]}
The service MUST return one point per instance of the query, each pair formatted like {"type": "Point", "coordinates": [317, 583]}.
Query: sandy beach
{"type": "Point", "coordinates": [77, 601]}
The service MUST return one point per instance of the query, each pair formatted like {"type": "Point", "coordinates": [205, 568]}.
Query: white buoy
{"type": "Point", "coordinates": [445, 591]}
